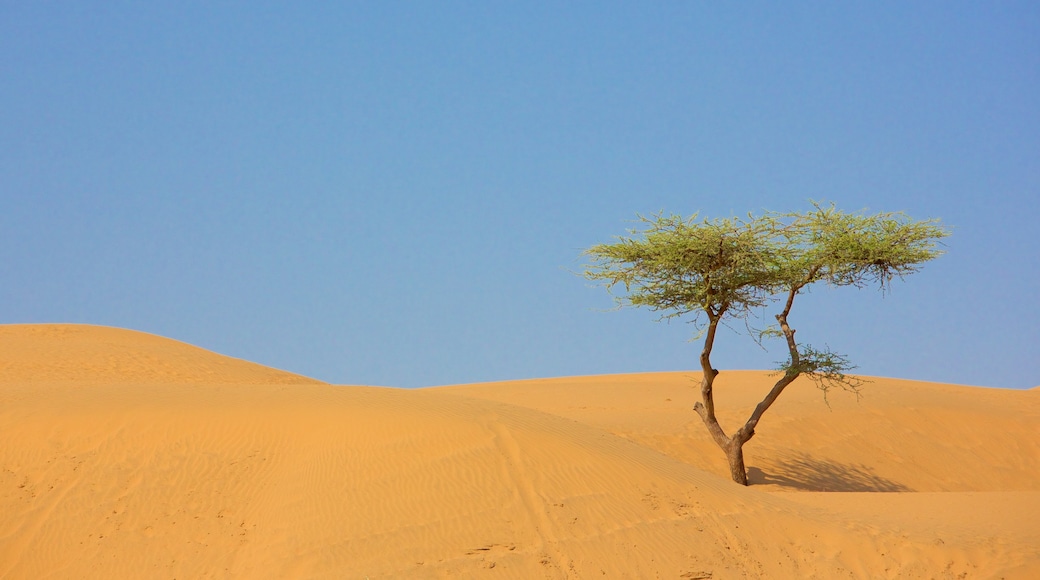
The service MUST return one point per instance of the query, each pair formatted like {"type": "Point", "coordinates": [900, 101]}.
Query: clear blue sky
{"type": "Point", "coordinates": [398, 193]}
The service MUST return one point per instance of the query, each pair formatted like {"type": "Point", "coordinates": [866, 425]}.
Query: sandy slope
{"type": "Point", "coordinates": [131, 456]}
{"type": "Point", "coordinates": [88, 355]}
{"type": "Point", "coordinates": [898, 436]}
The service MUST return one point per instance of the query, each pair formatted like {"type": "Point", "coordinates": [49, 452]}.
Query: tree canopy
{"type": "Point", "coordinates": [726, 268]}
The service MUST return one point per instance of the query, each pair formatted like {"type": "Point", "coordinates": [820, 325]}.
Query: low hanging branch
{"type": "Point", "coordinates": [714, 270]}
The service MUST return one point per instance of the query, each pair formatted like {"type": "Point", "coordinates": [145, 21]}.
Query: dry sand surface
{"type": "Point", "coordinates": [127, 455]}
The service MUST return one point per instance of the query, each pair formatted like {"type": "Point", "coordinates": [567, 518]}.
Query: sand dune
{"type": "Point", "coordinates": [897, 436]}
{"type": "Point", "coordinates": [89, 355]}
{"type": "Point", "coordinates": [132, 456]}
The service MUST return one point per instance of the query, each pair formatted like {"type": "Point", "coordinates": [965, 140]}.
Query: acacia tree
{"type": "Point", "coordinates": [716, 270]}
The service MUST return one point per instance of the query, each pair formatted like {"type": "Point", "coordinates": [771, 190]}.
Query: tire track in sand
{"type": "Point", "coordinates": [514, 465]}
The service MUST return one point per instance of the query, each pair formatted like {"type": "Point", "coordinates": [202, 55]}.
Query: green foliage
{"type": "Point", "coordinates": [727, 267]}
{"type": "Point", "coordinates": [852, 249]}
{"type": "Point", "coordinates": [682, 265]}
{"type": "Point", "coordinates": [826, 368]}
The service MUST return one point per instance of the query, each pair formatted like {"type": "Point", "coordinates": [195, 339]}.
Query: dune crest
{"type": "Point", "coordinates": [88, 354]}
{"type": "Point", "coordinates": [586, 477]}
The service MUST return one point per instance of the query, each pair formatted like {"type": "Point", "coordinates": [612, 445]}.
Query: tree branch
{"type": "Point", "coordinates": [793, 371]}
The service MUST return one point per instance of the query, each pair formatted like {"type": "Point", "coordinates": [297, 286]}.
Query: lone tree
{"type": "Point", "coordinates": [722, 269]}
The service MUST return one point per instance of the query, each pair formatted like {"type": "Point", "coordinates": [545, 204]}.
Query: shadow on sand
{"type": "Point", "coordinates": [807, 474]}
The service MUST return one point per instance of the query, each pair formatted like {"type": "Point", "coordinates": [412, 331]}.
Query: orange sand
{"type": "Point", "coordinates": [127, 455]}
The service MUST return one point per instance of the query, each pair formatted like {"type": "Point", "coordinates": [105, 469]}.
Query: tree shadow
{"type": "Point", "coordinates": [807, 474]}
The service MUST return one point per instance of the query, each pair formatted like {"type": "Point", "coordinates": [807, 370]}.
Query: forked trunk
{"type": "Point", "coordinates": [735, 456]}
{"type": "Point", "coordinates": [732, 446]}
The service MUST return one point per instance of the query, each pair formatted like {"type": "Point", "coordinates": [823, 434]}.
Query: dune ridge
{"type": "Point", "coordinates": [87, 355]}
{"type": "Point", "coordinates": [198, 467]}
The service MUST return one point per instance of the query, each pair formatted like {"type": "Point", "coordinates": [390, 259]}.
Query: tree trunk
{"type": "Point", "coordinates": [732, 446]}
{"type": "Point", "coordinates": [735, 456]}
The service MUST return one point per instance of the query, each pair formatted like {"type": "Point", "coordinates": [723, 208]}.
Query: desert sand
{"type": "Point", "coordinates": [128, 455]}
